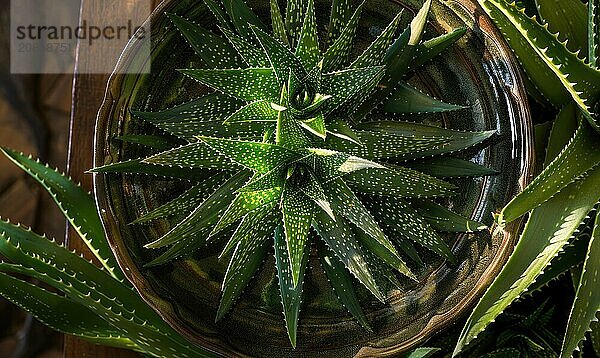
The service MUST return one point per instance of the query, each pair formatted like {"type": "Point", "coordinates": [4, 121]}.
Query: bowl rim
{"type": "Point", "coordinates": [436, 323]}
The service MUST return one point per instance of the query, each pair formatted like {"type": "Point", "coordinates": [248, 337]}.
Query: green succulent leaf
{"type": "Point", "coordinates": [345, 202]}
{"type": "Point", "coordinates": [423, 352]}
{"type": "Point", "coordinates": [341, 12]}
{"type": "Point", "coordinates": [337, 54]}
{"type": "Point", "coordinates": [429, 49]}
{"type": "Point", "coordinates": [252, 55]}
{"type": "Point", "coordinates": [250, 252]}
{"type": "Point", "coordinates": [566, 168]}
{"type": "Point", "coordinates": [545, 59]}
{"type": "Point", "coordinates": [409, 100]}
{"type": "Point", "coordinates": [137, 166]}
{"type": "Point", "coordinates": [198, 222]}
{"type": "Point", "coordinates": [289, 287]}
{"type": "Point", "coordinates": [218, 10]}
{"type": "Point", "coordinates": [298, 211]}
{"type": "Point", "coordinates": [243, 17]}
{"type": "Point", "coordinates": [194, 155]}
{"type": "Point", "coordinates": [294, 13]}
{"type": "Point", "coordinates": [75, 203]}
{"type": "Point", "coordinates": [450, 168]}
{"type": "Point", "coordinates": [340, 239]}
{"type": "Point", "coordinates": [443, 219]}
{"type": "Point", "coordinates": [187, 201]}
{"type": "Point", "coordinates": [248, 84]}
{"type": "Point", "coordinates": [565, 17]}
{"type": "Point", "coordinates": [212, 49]}
{"type": "Point", "coordinates": [587, 298]}
{"type": "Point", "coordinates": [282, 60]}
{"type": "Point", "coordinates": [342, 284]}
{"type": "Point", "coordinates": [278, 25]}
{"type": "Point", "coordinates": [62, 314]}
{"type": "Point", "coordinates": [593, 32]}
{"type": "Point", "coordinates": [259, 222]}
{"type": "Point", "coordinates": [399, 215]}
{"type": "Point", "coordinates": [260, 111]}
{"type": "Point", "coordinates": [549, 228]}
{"type": "Point", "coordinates": [308, 44]}
{"type": "Point", "coordinates": [398, 181]}
{"type": "Point", "coordinates": [244, 203]}
{"type": "Point", "coordinates": [346, 84]}
{"type": "Point", "coordinates": [407, 140]}
{"type": "Point", "coordinates": [260, 157]}
{"type": "Point", "coordinates": [342, 130]}
{"type": "Point", "coordinates": [315, 126]}
{"type": "Point", "coordinates": [375, 53]}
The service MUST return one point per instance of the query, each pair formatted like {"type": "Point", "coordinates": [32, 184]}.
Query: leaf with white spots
{"type": "Point", "coordinates": [187, 201]}
{"type": "Point", "coordinates": [344, 202]}
{"type": "Point", "coordinates": [587, 297]}
{"type": "Point", "coordinates": [279, 31]}
{"type": "Point", "coordinates": [248, 84]}
{"type": "Point", "coordinates": [193, 155]}
{"type": "Point", "coordinates": [343, 85]}
{"type": "Point", "coordinates": [308, 44]}
{"type": "Point", "coordinates": [407, 140]}
{"type": "Point", "coordinates": [294, 13]}
{"type": "Point", "coordinates": [340, 239]}
{"type": "Point", "coordinates": [375, 53]}
{"type": "Point", "coordinates": [398, 181]}
{"type": "Point", "coordinates": [337, 54]}
{"type": "Point", "coordinates": [258, 111]}
{"type": "Point", "coordinates": [289, 288]}
{"type": "Point", "coordinates": [242, 17]}
{"type": "Point", "coordinates": [75, 203]}
{"type": "Point", "coordinates": [341, 11]}
{"type": "Point", "coordinates": [250, 252]}
{"type": "Point", "coordinates": [579, 157]}
{"type": "Point", "coordinates": [260, 157]}
{"type": "Point", "coordinates": [244, 203]}
{"type": "Point", "coordinates": [282, 60]}
{"type": "Point", "coordinates": [443, 219]}
{"type": "Point", "coordinates": [447, 167]}
{"type": "Point", "coordinates": [274, 178]}
{"type": "Point", "coordinates": [298, 211]}
{"type": "Point", "coordinates": [199, 222]}
{"type": "Point", "coordinates": [342, 284]}
{"type": "Point", "coordinates": [315, 126]}
{"type": "Point", "coordinates": [408, 99]}
{"type": "Point", "coordinates": [212, 49]}
{"type": "Point", "coordinates": [218, 10]}
{"type": "Point", "coordinates": [289, 133]}
{"type": "Point", "coordinates": [260, 222]}
{"type": "Point", "coordinates": [137, 166]}
{"type": "Point", "coordinates": [313, 189]}
{"type": "Point", "coordinates": [400, 216]}
{"type": "Point", "coordinates": [251, 54]}
{"type": "Point", "coordinates": [342, 130]}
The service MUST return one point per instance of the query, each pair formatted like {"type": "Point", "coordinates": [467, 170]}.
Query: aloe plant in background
{"type": "Point", "coordinates": [300, 147]}
{"type": "Point", "coordinates": [562, 198]}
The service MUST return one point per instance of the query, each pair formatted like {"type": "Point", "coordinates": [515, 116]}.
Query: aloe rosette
{"type": "Point", "coordinates": [297, 146]}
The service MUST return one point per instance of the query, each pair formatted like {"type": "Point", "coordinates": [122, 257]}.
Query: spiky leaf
{"type": "Point", "coordinates": [443, 219]}
{"type": "Point", "coordinates": [308, 44]}
{"type": "Point", "coordinates": [75, 203]}
{"type": "Point", "coordinates": [410, 100]}
{"type": "Point", "coordinates": [289, 287]}
{"type": "Point", "coordinates": [450, 168]}
{"type": "Point", "coordinates": [298, 211]}
{"type": "Point", "coordinates": [337, 54]}
{"type": "Point", "coordinates": [548, 229]}
{"type": "Point", "coordinates": [248, 84]}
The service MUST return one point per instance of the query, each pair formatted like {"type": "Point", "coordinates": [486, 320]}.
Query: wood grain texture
{"type": "Point", "coordinates": [88, 92]}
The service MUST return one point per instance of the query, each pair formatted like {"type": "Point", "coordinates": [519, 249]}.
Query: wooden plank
{"type": "Point", "coordinates": [88, 91]}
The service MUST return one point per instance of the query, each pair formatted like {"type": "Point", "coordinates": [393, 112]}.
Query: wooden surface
{"type": "Point", "coordinates": [88, 92]}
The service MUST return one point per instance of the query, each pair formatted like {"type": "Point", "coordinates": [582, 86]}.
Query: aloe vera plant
{"type": "Point", "coordinates": [297, 146]}
{"type": "Point", "coordinates": [562, 198]}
